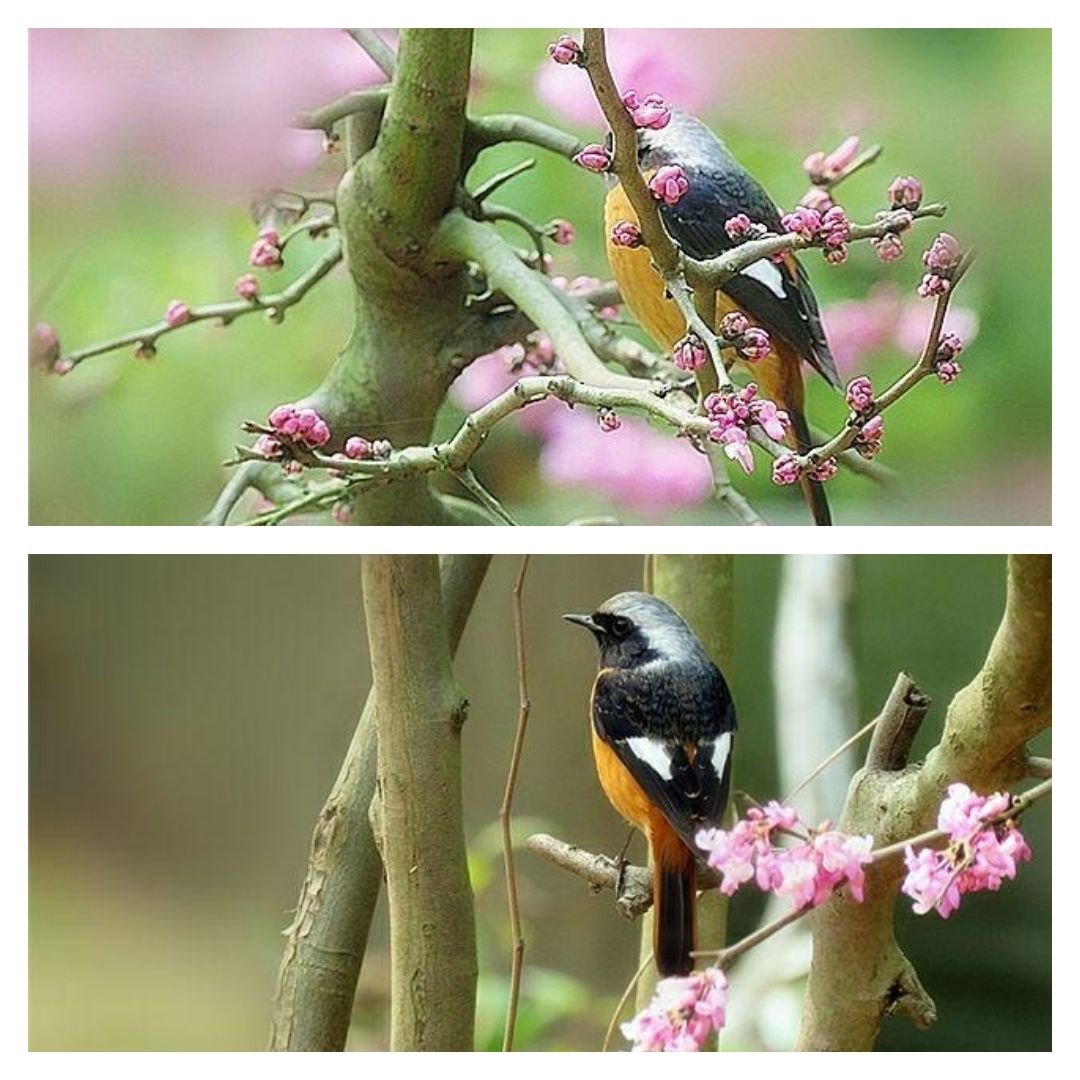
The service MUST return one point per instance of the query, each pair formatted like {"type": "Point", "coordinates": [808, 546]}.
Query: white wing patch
{"type": "Point", "coordinates": [769, 275]}
{"type": "Point", "coordinates": [652, 753]}
{"type": "Point", "coordinates": [718, 752]}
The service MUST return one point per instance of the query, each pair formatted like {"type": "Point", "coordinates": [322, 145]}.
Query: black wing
{"type": "Point", "coordinates": [776, 295]}
{"type": "Point", "coordinates": [673, 730]}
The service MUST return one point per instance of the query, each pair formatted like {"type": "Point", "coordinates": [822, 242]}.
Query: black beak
{"type": "Point", "coordinates": [583, 620]}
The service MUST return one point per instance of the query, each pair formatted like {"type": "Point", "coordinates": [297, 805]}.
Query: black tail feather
{"type": "Point", "coordinates": [675, 917]}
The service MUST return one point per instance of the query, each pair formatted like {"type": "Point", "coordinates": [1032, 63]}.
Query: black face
{"type": "Point", "coordinates": [621, 641]}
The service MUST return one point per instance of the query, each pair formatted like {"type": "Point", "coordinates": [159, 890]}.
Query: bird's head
{"type": "Point", "coordinates": [634, 628]}
{"type": "Point", "coordinates": [684, 141]}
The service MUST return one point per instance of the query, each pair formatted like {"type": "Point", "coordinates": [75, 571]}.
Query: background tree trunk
{"type": "Point", "coordinates": [417, 811]}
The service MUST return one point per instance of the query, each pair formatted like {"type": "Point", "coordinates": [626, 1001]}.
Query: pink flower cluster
{"type": "Point", "coordinates": [266, 252]}
{"type": "Point", "coordinates": [825, 168]}
{"type": "Point", "coordinates": [741, 228]}
{"type": "Point", "coordinates": [941, 260]}
{"type": "Point", "coordinates": [981, 854]}
{"type": "Point", "coordinates": [830, 226]}
{"type": "Point", "coordinates": [302, 427]}
{"type": "Point", "coordinates": [607, 419]}
{"type": "Point", "coordinates": [751, 342]}
{"type": "Point", "coordinates": [802, 221]}
{"type": "Point", "coordinates": [808, 872]}
{"type": "Point", "coordinates": [859, 394]}
{"type": "Point", "coordinates": [868, 439]}
{"type": "Point", "coordinates": [562, 232]}
{"type": "Point", "coordinates": [683, 1013]}
{"type": "Point", "coordinates": [734, 412]}
{"type": "Point", "coordinates": [650, 111]}
{"type": "Point", "coordinates": [594, 157]}
{"type": "Point", "coordinates": [565, 51]}
{"type": "Point", "coordinates": [669, 184]}
{"type": "Point", "coordinates": [246, 287]}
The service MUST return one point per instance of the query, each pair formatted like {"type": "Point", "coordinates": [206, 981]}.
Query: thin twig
{"type": "Point", "coordinates": [226, 312]}
{"type": "Point", "coordinates": [826, 762]}
{"type": "Point", "coordinates": [467, 479]}
{"type": "Point", "coordinates": [630, 986]}
{"type": "Point", "coordinates": [1040, 768]}
{"type": "Point", "coordinates": [524, 706]}
{"type": "Point", "coordinates": [381, 53]}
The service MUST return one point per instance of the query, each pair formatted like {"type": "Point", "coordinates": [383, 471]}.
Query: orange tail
{"type": "Point", "coordinates": [780, 378]}
{"type": "Point", "coordinates": [675, 898]}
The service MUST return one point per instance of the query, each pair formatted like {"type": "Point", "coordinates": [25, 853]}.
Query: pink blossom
{"type": "Point", "coordinates": [949, 345]}
{"type": "Point", "coordinates": [341, 512]}
{"type": "Point", "coordinates": [594, 157]}
{"type": "Point", "coordinates": [565, 50]}
{"type": "Point", "coordinates": [889, 247]}
{"type": "Point", "coordinates": [982, 852]}
{"type": "Point", "coordinates": [905, 193]}
{"type": "Point", "coordinates": [802, 221]}
{"type": "Point", "coordinates": [62, 365]}
{"type": "Point", "coordinates": [837, 255]}
{"type": "Point", "coordinates": [649, 112]}
{"type": "Point", "coordinates": [304, 426]}
{"type": "Point", "coordinates": [858, 328]}
{"type": "Point", "coordinates": [859, 394]}
{"type": "Point", "coordinates": [772, 420]}
{"type": "Point", "coordinates": [689, 353]}
{"type": "Point", "coordinates": [754, 344]}
{"type": "Point", "coordinates": [739, 227]}
{"type": "Point", "coordinates": [357, 448]}
{"type": "Point", "coordinates": [733, 325]}
{"type": "Point", "coordinates": [943, 255]}
{"type": "Point", "coordinates": [608, 419]}
{"type": "Point", "coordinates": [562, 232]}
{"type": "Point", "coordinates": [669, 184]}
{"type": "Point", "coordinates": [737, 447]}
{"type": "Point", "coordinates": [933, 285]}
{"type": "Point", "coordinates": [246, 287]}
{"type": "Point", "coordinates": [266, 253]}
{"type": "Point", "coordinates": [683, 1013]}
{"type": "Point", "coordinates": [177, 313]}
{"type": "Point", "coordinates": [818, 200]}
{"type": "Point", "coordinates": [626, 234]}
{"type": "Point", "coordinates": [786, 469]}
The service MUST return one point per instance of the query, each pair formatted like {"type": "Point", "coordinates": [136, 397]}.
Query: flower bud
{"type": "Point", "coordinates": [733, 325]}
{"type": "Point", "coordinates": [565, 51]}
{"type": "Point", "coordinates": [823, 470]}
{"type": "Point", "coordinates": [594, 157]}
{"type": "Point", "coordinates": [888, 248]}
{"type": "Point", "coordinates": [381, 449]}
{"type": "Point", "coordinates": [268, 446]}
{"type": "Point", "coordinates": [281, 415]}
{"type": "Point", "coordinates": [44, 345]}
{"type": "Point", "coordinates": [905, 193]}
{"type": "Point", "coordinates": [835, 227]}
{"type": "Point", "coordinates": [859, 394]}
{"type": "Point", "coordinates": [948, 371]}
{"type": "Point", "coordinates": [785, 469]}
{"type": "Point", "coordinates": [266, 251]}
{"type": "Point", "coordinates": [357, 448]}
{"type": "Point", "coordinates": [177, 313]}
{"type": "Point", "coordinates": [689, 353]}
{"type": "Point", "coordinates": [626, 234]}
{"type": "Point", "coordinates": [608, 419]}
{"type": "Point", "coordinates": [341, 512]}
{"type": "Point", "coordinates": [649, 112]}
{"type": "Point", "coordinates": [739, 227]}
{"type": "Point", "coordinates": [943, 255]}
{"type": "Point", "coordinates": [246, 287]}
{"type": "Point", "coordinates": [948, 347]}
{"type": "Point", "coordinates": [562, 232]}
{"type": "Point", "coordinates": [669, 184]}
{"type": "Point", "coordinates": [933, 285]}
{"type": "Point", "coordinates": [754, 344]}
{"type": "Point", "coordinates": [802, 221]}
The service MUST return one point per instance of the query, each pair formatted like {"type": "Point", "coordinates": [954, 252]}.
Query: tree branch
{"type": "Point", "coordinates": [417, 811]}
{"type": "Point", "coordinates": [325, 944]}
{"type": "Point", "coordinates": [858, 973]}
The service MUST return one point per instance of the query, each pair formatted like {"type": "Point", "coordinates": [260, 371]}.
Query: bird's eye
{"type": "Point", "coordinates": [620, 626]}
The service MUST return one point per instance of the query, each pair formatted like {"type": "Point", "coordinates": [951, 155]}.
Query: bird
{"type": "Point", "coordinates": [663, 725]}
{"type": "Point", "coordinates": [773, 295]}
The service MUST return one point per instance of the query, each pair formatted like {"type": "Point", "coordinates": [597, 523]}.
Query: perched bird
{"type": "Point", "coordinates": [773, 295]}
{"type": "Point", "coordinates": [662, 728]}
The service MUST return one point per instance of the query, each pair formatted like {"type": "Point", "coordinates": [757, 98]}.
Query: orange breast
{"type": "Point", "coordinates": [622, 790]}
{"type": "Point", "coordinates": [642, 290]}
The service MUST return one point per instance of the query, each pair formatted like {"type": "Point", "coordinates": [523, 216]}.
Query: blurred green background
{"type": "Point", "coordinates": [137, 213]}
{"type": "Point", "coordinates": [188, 716]}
